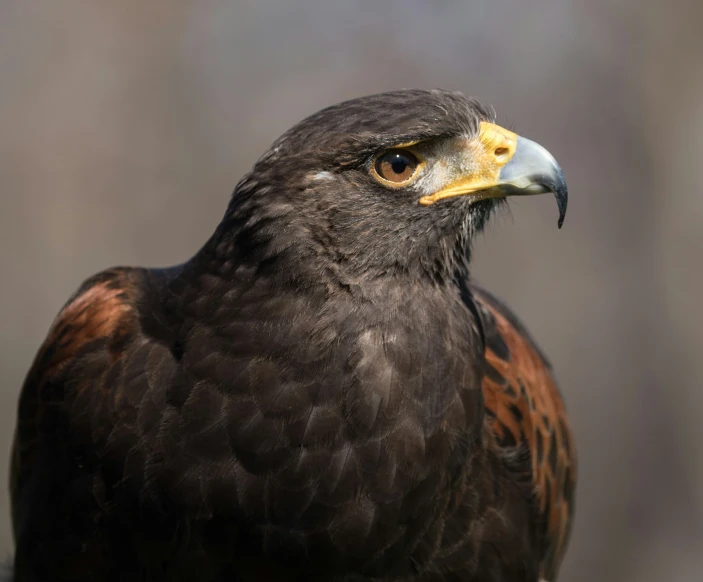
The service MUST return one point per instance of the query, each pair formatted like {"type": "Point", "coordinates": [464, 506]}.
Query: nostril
{"type": "Point", "coordinates": [500, 152]}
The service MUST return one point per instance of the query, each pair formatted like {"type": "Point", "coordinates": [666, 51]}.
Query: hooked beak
{"type": "Point", "coordinates": [504, 164]}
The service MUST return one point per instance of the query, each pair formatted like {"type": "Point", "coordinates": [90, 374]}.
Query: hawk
{"type": "Point", "coordinates": [321, 392]}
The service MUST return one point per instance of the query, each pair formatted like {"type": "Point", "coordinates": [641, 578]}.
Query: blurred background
{"type": "Point", "coordinates": [124, 126]}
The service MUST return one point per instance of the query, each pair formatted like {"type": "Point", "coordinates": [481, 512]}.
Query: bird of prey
{"type": "Point", "coordinates": [322, 392]}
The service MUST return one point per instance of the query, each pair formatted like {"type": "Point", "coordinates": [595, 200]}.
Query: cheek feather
{"type": "Point", "coordinates": [323, 176]}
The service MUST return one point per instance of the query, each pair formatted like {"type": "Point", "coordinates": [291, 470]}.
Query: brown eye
{"type": "Point", "coordinates": [396, 166]}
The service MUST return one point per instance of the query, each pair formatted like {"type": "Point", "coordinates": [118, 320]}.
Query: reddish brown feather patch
{"type": "Point", "coordinates": [527, 406]}
{"type": "Point", "coordinates": [96, 313]}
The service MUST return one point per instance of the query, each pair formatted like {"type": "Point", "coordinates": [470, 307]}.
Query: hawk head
{"type": "Point", "coordinates": [386, 184]}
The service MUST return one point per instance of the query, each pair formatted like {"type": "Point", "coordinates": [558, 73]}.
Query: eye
{"type": "Point", "coordinates": [396, 166]}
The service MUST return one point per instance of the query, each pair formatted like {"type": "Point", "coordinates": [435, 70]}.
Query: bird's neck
{"type": "Point", "coordinates": [252, 239]}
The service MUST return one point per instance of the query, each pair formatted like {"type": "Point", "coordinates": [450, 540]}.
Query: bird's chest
{"type": "Point", "coordinates": [340, 426]}
{"type": "Point", "coordinates": [344, 370]}
{"type": "Point", "coordinates": [377, 397]}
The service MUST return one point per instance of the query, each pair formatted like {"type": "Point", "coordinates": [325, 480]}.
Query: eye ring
{"type": "Point", "coordinates": [396, 167]}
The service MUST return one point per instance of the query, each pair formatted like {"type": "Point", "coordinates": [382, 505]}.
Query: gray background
{"type": "Point", "coordinates": [125, 124]}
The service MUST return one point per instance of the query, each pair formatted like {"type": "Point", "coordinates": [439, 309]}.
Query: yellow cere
{"type": "Point", "coordinates": [491, 149]}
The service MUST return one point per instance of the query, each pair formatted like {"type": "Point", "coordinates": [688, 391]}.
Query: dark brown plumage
{"type": "Point", "coordinates": [320, 393]}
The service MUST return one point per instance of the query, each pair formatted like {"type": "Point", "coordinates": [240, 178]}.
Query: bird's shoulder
{"type": "Point", "coordinates": [526, 414]}
{"type": "Point", "coordinates": [67, 412]}
{"type": "Point", "coordinates": [86, 339]}
{"type": "Point", "coordinates": [101, 309]}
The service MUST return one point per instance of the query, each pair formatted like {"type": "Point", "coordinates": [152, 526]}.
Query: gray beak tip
{"type": "Point", "coordinates": [533, 170]}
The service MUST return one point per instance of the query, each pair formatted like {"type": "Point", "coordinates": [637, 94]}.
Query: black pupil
{"type": "Point", "coordinates": [399, 163]}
